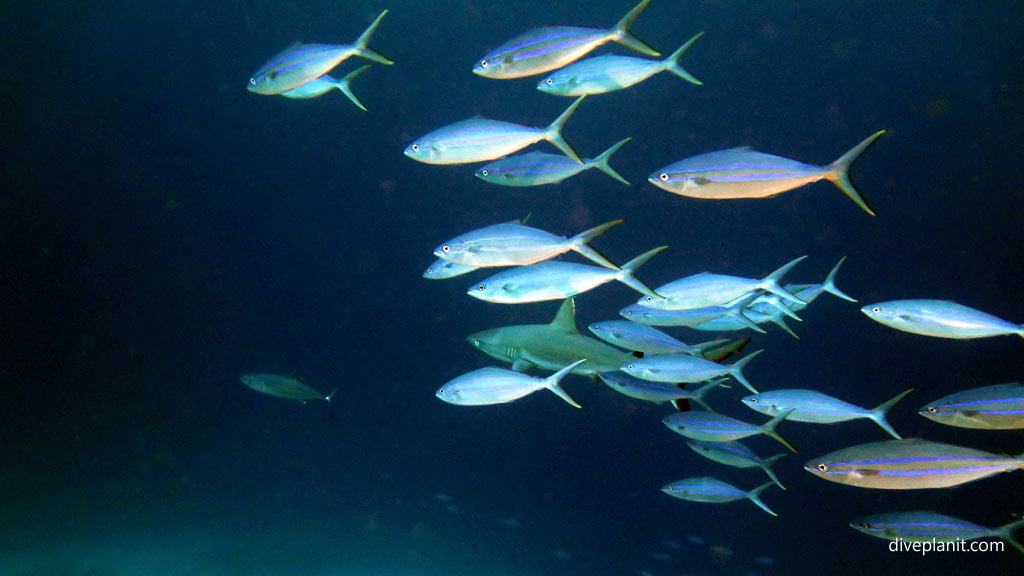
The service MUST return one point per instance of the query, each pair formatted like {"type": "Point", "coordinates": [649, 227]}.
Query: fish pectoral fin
{"type": "Point", "coordinates": [699, 181]}
{"type": "Point", "coordinates": [473, 249]}
{"type": "Point", "coordinates": [865, 473]}
{"type": "Point", "coordinates": [508, 59]}
{"type": "Point", "coordinates": [508, 286]}
{"type": "Point", "coordinates": [682, 405]}
{"type": "Point", "coordinates": [272, 74]}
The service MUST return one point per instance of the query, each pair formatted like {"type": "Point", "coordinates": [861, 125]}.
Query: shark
{"type": "Point", "coordinates": [557, 344]}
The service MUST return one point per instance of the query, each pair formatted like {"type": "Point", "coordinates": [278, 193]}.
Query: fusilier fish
{"type": "Point", "coordinates": [543, 49]}
{"type": "Point", "coordinates": [515, 244]}
{"type": "Point", "coordinates": [327, 83]}
{"type": "Point", "coordinates": [555, 280]}
{"type": "Point", "coordinates": [927, 526]}
{"type": "Point", "coordinates": [940, 318]}
{"type": "Point", "coordinates": [284, 387]}
{"type": "Point", "coordinates": [713, 427]}
{"type": "Point", "coordinates": [656, 392]}
{"type": "Point", "coordinates": [549, 346]}
{"type": "Point", "coordinates": [997, 407]}
{"type": "Point", "coordinates": [910, 464]}
{"type": "Point", "coordinates": [498, 386]}
{"type": "Point", "coordinates": [302, 63]}
{"type": "Point", "coordinates": [813, 406]}
{"type": "Point", "coordinates": [442, 269]}
{"type": "Point", "coordinates": [707, 289]}
{"type": "Point", "coordinates": [694, 317]}
{"type": "Point", "coordinates": [707, 489]}
{"type": "Point", "coordinates": [608, 73]}
{"type": "Point", "coordinates": [480, 139]}
{"type": "Point", "coordinates": [744, 173]}
{"type": "Point", "coordinates": [646, 339]}
{"type": "Point", "coordinates": [736, 454]}
{"type": "Point", "coordinates": [539, 168]}
{"type": "Point", "coordinates": [686, 368]}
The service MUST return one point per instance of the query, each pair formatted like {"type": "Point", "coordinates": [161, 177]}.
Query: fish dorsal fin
{"type": "Point", "coordinates": [565, 319]}
{"type": "Point", "coordinates": [739, 149]}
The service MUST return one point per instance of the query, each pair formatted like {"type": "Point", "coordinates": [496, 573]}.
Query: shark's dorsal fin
{"type": "Point", "coordinates": [565, 319]}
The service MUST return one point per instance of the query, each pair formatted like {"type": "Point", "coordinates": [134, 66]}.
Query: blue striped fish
{"type": "Point", "coordinates": [480, 139]}
{"type": "Point", "coordinates": [302, 63]}
{"type": "Point", "coordinates": [442, 269]}
{"type": "Point", "coordinates": [608, 73]}
{"type": "Point", "coordinates": [655, 392]}
{"type": "Point", "coordinates": [712, 427]}
{"type": "Point", "coordinates": [543, 49]}
{"type": "Point", "coordinates": [909, 465]}
{"type": "Point", "coordinates": [736, 454]}
{"type": "Point", "coordinates": [707, 289]}
{"type": "Point", "coordinates": [498, 386]}
{"type": "Point", "coordinates": [744, 173]}
{"type": "Point", "coordinates": [556, 280]}
{"type": "Point", "coordinates": [926, 526]}
{"type": "Point", "coordinates": [515, 244]}
{"type": "Point", "coordinates": [686, 368]}
{"type": "Point", "coordinates": [997, 407]}
{"type": "Point", "coordinates": [327, 83]}
{"type": "Point", "coordinates": [539, 168]}
{"type": "Point", "coordinates": [646, 339]}
{"type": "Point", "coordinates": [707, 489]}
{"type": "Point", "coordinates": [940, 318]}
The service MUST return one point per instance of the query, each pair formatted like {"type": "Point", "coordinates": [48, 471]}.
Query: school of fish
{"type": "Point", "coordinates": [632, 356]}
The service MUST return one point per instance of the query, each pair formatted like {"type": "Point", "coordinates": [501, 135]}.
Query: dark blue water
{"type": "Point", "coordinates": [162, 230]}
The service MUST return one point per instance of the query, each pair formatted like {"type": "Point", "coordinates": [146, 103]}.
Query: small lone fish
{"type": "Point", "coordinates": [940, 318]}
{"type": "Point", "coordinates": [480, 139]}
{"type": "Point", "coordinates": [909, 465]}
{"type": "Point", "coordinates": [712, 427]}
{"type": "Point", "coordinates": [302, 63]}
{"type": "Point", "coordinates": [813, 406]}
{"type": "Point", "coordinates": [515, 244]}
{"type": "Point", "coordinates": [543, 49]}
{"type": "Point", "coordinates": [555, 280]}
{"type": "Point", "coordinates": [539, 168]}
{"type": "Point", "coordinates": [284, 387]}
{"type": "Point", "coordinates": [926, 526]}
{"type": "Point", "coordinates": [498, 386]}
{"type": "Point", "coordinates": [708, 489]}
{"type": "Point", "coordinates": [997, 407]}
{"type": "Point", "coordinates": [327, 83]}
{"type": "Point", "coordinates": [609, 73]}
{"type": "Point", "coordinates": [745, 173]}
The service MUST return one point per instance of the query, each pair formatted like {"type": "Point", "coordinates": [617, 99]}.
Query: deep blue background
{"type": "Point", "coordinates": [162, 230]}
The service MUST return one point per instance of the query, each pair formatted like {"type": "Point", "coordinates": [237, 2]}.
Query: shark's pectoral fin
{"type": "Point", "coordinates": [521, 365]}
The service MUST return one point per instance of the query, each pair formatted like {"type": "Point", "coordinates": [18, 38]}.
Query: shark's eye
{"type": "Point", "coordinates": [663, 177]}
{"type": "Point", "coordinates": [823, 467]}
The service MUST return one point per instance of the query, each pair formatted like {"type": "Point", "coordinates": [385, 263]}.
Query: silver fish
{"type": "Point", "coordinates": [686, 368]}
{"type": "Point", "coordinates": [302, 63]}
{"type": "Point", "coordinates": [940, 318]}
{"type": "Point", "coordinates": [539, 168]}
{"type": "Point", "coordinates": [555, 280]}
{"type": "Point", "coordinates": [926, 526]}
{"type": "Point", "coordinates": [707, 489]}
{"type": "Point", "coordinates": [498, 386]}
{"type": "Point", "coordinates": [736, 454]}
{"type": "Point", "coordinates": [909, 464]}
{"type": "Point", "coordinates": [646, 339]}
{"type": "Point", "coordinates": [712, 427]}
{"type": "Point", "coordinates": [997, 407]}
{"type": "Point", "coordinates": [327, 83]}
{"type": "Point", "coordinates": [284, 387]}
{"type": "Point", "coordinates": [744, 173]}
{"type": "Point", "coordinates": [442, 269]}
{"type": "Point", "coordinates": [655, 392]}
{"type": "Point", "coordinates": [480, 139]}
{"type": "Point", "coordinates": [707, 289]}
{"type": "Point", "coordinates": [514, 244]}
{"type": "Point", "coordinates": [543, 49]}
{"type": "Point", "coordinates": [609, 73]}
{"type": "Point", "coordinates": [813, 406]}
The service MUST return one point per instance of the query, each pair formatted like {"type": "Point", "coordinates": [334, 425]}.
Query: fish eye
{"type": "Point", "coordinates": [931, 410]}
{"type": "Point", "coordinates": [415, 147]}
{"type": "Point", "coordinates": [442, 392]}
{"type": "Point", "coordinates": [629, 366]}
{"type": "Point", "coordinates": [483, 172]}
{"type": "Point", "coordinates": [753, 400]}
{"type": "Point", "coordinates": [628, 312]}
{"type": "Point", "coordinates": [663, 177]}
{"type": "Point", "coordinates": [823, 467]}
{"type": "Point", "coordinates": [482, 287]}
{"type": "Point", "coordinates": [876, 309]}
{"type": "Point", "coordinates": [446, 248]}
{"type": "Point", "coordinates": [252, 81]}
{"type": "Point", "coordinates": [649, 299]}
{"type": "Point", "coordinates": [549, 82]}
{"type": "Point", "coordinates": [483, 63]}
